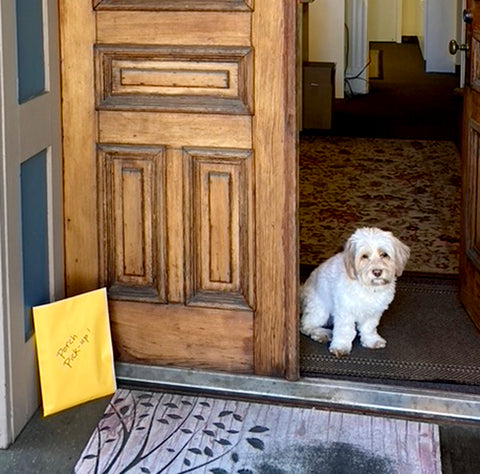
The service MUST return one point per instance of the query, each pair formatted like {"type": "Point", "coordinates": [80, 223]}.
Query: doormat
{"type": "Point", "coordinates": [149, 432]}
{"type": "Point", "coordinates": [430, 338]}
{"type": "Point", "coordinates": [375, 68]}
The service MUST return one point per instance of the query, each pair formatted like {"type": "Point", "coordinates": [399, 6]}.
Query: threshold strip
{"type": "Point", "coordinates": [435, 405]}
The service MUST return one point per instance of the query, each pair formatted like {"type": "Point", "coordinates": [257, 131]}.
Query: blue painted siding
{"type": "Point", "coordinates": [34, 208]}
{"type": "Point", "coordinates": [30, 49]}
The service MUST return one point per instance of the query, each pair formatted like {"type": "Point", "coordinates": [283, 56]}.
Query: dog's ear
{"type": "Point", "coordinates": [349, 259]}
{"type": "Point", "coordinates": [402, 253]}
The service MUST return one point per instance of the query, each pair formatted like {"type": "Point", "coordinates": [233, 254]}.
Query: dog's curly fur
{"type": "Point", "coordinates": [352, 289]}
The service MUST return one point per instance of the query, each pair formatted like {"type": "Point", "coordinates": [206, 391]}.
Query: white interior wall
{"type": "Point", "coordinates": [327, 37]}
{"type": "Point", "coordinates": [410, 20]}
{"type": "Point", "coordinates": [384, 20]}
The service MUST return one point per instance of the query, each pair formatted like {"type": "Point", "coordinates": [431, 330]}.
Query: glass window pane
{"type": "Point", "coordinates": [30, 51]}
{"type": "Point", "coordinates": [33, 179]}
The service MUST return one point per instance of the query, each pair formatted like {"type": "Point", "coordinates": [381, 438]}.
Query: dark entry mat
{"type": "Point", "coordinates": [429, 337]}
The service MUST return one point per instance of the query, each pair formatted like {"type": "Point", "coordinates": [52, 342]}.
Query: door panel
{"type": "Point", "coordinates": [200, 130]}
{"type": "Point", "coordinates": [182, 129]}
{"type": "Point", "coordinates": [132, 221]}
{"type": "Point", "coordinates": [175, 78]}
{"type": "Point", "coordinates": [174, 28]}
{"type": "Point", "coordinates": [185, 338]}
{"type": "Point", "coordinates": [470, 243]}
{"type": "Point", "coordinates": [31, 236]}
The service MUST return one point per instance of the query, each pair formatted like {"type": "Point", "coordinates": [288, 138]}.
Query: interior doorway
{"type": "Point", "coordinates": [408, 114]}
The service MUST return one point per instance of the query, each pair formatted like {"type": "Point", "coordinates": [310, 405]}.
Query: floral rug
{"type": "Point", "coordinates": [149, 432]}
{"type": "Point", "coordinates": [411, 187]}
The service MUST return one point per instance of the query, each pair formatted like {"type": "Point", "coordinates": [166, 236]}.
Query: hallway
{"type": "Point", "coordinates": [405, 103]}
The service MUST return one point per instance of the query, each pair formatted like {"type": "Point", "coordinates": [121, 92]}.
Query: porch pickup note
{"type": "Point", "coordinates": [74, 349]}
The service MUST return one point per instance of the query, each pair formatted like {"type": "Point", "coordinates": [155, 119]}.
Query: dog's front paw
{"type": "Point", "coordinates": [321, 335]}
{"type": "Point", "coordinates": [339, 350]}
{"type": "Point", "coordinates": [373, 342]}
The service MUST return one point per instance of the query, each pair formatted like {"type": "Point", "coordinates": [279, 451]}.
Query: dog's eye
{"type": "Point", "coordinates": [365, 256]}
{"type": "Point", "coordinates": [384, 255]}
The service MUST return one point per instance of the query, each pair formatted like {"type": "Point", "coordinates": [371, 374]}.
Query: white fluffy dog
{"type": "Point", "coordinates": [352, 289]}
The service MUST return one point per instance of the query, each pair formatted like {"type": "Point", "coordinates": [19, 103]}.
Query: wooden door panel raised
{"type": "Point", "coordinates": [180, 177]}
{"type": "Point", "coordinates": [202, 79]}
{"type": "Point", "coordinates": [221, 198]}
{"type": "Point", "coordinates": [131, 197]}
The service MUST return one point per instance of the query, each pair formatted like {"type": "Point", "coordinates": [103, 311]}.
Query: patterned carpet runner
{"type": "Point", "coordinates": [411, 187]}
{"type": "Point", "coordinates": [148, 432]}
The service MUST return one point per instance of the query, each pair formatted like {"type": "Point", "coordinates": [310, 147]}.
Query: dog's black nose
{"type": "Point", "coordinates": [377, 273]}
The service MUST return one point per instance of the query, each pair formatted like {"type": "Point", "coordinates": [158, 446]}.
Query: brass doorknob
{"type": "Point", "coordinates": [454, 47]}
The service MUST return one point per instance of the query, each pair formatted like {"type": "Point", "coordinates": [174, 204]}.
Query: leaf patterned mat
{"type": "Point", "coordinates": [152, 432]}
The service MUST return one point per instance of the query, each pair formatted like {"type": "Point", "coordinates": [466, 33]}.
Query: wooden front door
{"type": "Point", "coordinates": [180, 177]}
{"type": "Point", "coordinates": [470, 243]}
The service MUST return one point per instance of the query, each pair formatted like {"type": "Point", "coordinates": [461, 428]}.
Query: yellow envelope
{"type": "Point", "coordinates": [74, 349]}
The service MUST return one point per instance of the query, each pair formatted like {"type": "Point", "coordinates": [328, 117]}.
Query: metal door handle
{"type": "Point", "coordinates": [454, 47]}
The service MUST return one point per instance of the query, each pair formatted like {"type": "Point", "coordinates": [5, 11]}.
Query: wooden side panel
{"type": "Point", "coordinates": [276, 193]}
{"type": "Point", "coordinates": [77, 34]}
{"type": "Point", "coordinates": [132, 223]}
{"type": "Point", "coordinates": [222, 228]}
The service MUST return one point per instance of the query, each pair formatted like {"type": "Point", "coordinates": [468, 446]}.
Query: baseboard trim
{"type": "Point", "coordinates": [433, 405]}
{"type": "Point", "coordinates": [410, 39]}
